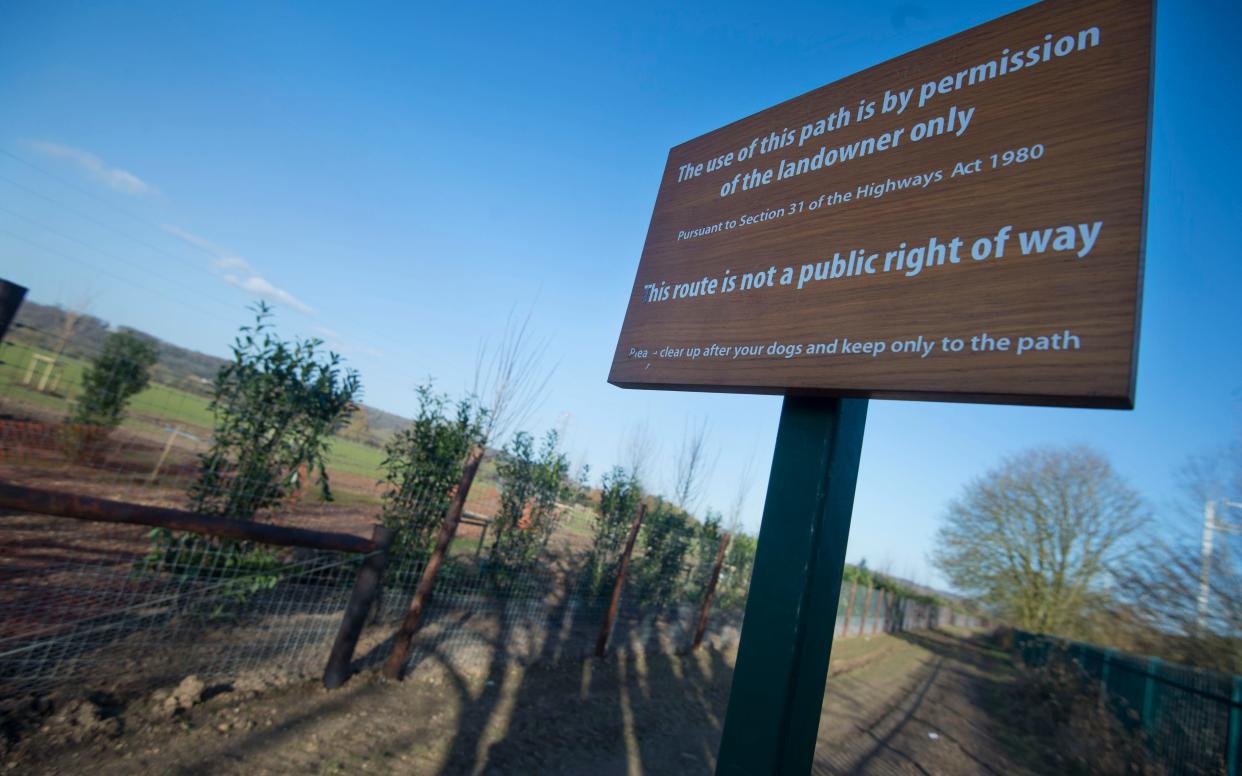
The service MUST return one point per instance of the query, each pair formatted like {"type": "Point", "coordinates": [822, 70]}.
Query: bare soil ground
{"type": "Point", "coordinates": [919, 703]}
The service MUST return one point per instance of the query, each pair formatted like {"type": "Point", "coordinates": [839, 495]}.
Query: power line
{"type": "Point", "coordinates": [82, 214]}
{"type": "Point", "coordinates": [104, 271]}
{"type": "Point", "coordinates": [112, 254]}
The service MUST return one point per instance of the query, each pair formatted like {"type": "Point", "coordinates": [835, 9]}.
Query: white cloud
{"type": "Point", "coordinates": [239, 273]}
{"type": "Point", "coordinates": [116, 178]}
{"type": "Point", "coordinates": [336, 342]}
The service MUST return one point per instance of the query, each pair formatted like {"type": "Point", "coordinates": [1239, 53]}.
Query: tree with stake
{"type": "Point", "coordinates": [530, 484]}
{"type": "Point", "coordinates": [620, 494]}
{"type": "Point", "coordinates": [276, 405]}
{"type": "Point", "coordinates": [510, 384]}
{"type": "Point", "coordinates": [423, 464]}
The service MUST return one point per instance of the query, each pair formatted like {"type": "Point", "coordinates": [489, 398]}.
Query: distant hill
{"type": "Point", "coordinates": [47, 327]}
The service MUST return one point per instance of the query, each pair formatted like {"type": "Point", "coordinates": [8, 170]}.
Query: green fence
{"type": "Point", "coordinates": [1191, 719]}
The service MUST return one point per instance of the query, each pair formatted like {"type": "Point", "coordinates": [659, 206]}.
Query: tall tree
{"type": "Point", "coordinates": [1038, 536]}
{"type": "Point", "coordinates": [1181, 596]}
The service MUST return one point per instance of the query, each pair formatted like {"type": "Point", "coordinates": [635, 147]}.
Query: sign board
{"type": "Point", "coordinates": [962, 223]}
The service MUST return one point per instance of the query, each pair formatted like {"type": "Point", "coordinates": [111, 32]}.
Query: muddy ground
{"type": "Point", "coordinates": [915, 703]}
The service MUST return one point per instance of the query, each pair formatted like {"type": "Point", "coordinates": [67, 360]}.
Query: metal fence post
{"type": "Point", "coordinates": [366, 588]}
{"type": "Point", "coordinates": [849, 609]}
{"type": "Point", "coordinates": [772, 720]}
{"type": "Point", "coordinates": [1104, 669]}
{"type": "Point", "coordinates": [1149, 693]}
{"type": "Point", "coordinates": [1235, 730]}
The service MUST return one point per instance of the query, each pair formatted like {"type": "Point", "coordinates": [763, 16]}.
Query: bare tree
{"type": "Point", "coordinates": [1181, 595]}
{"type": "Point", "coordinates": [693, 466]}
{"type": "Point", "coordinates": [745, 483]}
{"type": "Point", "coordinates": [1038, 536]}
{"type": "Point", "coordinates": [509, 382]}
{"type": "Point", "coordinates": [511, 378]}
{"type": "Point", "coordinates": [640, 450]}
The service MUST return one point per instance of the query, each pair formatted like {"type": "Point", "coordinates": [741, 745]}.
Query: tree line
{"type": "Point", "coordinates": [277, 403]}
{"type": "Point", "coordinates": [1054, 540]}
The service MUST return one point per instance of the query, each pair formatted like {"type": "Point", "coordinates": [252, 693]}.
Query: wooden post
{"type": "Point", "coordinates": [172, 434]}
{"type": "Point", "coordinates": [849, 609]}
{"type": "Point", "coordinates": [605, 630]}
{"type": "Point", "coordinates": [711, 591]}
{"type": "Point", "coordinates": [478, 551]}
{"type": "Point", "coordinates": [404, 638]}
{"type": "Point", "coordinates": [862, 624]}
{"type": "Point", "coordinates": [366, 588]}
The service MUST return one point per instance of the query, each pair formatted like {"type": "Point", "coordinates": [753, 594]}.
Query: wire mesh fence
{"type": "Point", "coordinates": [1190, 719]}
{"type": "Point", "coordinates": [123, 609]}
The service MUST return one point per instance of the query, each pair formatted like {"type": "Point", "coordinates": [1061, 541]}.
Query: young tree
{"type": "Point", "coordinates": [706, 546]}
{"type": "Point", "coordinates": [530, 484]}
{"type": "Point", "coordinates": [620, 495]}
{"type": "Point", "coordinates": [276, 405]}
{"type": "Point", "coordinates": [665, 538]}
{"type": "Point", "coordinates": [1180, 596]}
{"type": "Point", "coordinates": [693, 466]}
{"type": "Point", "coordinates": [1038, 536]}
{"type": "Point", "coordinates": [735, 578]}
{"type": "Point", "coordinates": [423, 465]}
{"type": "Point", "coordinates": [120, 370]}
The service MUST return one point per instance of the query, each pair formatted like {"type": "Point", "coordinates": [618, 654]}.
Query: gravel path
{"type": "Point", "coordinates": [909, 704]}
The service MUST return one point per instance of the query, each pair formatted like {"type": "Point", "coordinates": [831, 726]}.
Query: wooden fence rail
{"type": "Point", "coordinates": [366, 587]}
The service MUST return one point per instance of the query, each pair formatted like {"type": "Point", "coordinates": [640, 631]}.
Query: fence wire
{"type": "Point", "coordinates": [1191, 719]}
{"type": "Point", "coordinates": [123, 609]}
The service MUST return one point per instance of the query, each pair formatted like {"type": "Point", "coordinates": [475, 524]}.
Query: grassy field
{"type": "Point", "coordinates": [151, 412]}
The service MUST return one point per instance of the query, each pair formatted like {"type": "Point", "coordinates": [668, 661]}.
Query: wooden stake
{"type": "Point", "coordinates": [601, 644]}
{"type": "Point", "coordinates": [366, 589]}
{"type": "Point", "coordinates": [862, 625]}
{"type": "Point", "coordinates": [849, 608]}
{"type": "Point", "coordinates": [711, 591]}
{"type": "Point", "coordinates": [172, 434]}
{"type": "Point", "coordinates": [404, 638]}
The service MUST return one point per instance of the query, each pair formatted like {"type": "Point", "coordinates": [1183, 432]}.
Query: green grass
{"type": "Point", "coordinates": [151, 411]}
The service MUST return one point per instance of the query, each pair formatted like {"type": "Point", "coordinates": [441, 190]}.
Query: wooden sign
{"type": "Point", "coordinates": [962, 223]}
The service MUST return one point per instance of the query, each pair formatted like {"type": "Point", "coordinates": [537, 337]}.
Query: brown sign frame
{"type": "Point", "coordinates": [1091, 178]}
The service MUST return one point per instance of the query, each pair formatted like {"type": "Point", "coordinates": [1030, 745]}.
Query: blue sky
{"type": "Point", "coordinates": [399, 178]}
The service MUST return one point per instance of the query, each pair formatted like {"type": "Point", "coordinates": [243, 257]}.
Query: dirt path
{"type": "Point", "coordinates": [629, 714]}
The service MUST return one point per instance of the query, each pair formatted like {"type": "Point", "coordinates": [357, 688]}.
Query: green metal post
{"type": "Point", "coordinates": [1104, 671]}
{"type": "Point", "coordinates": [772, 721]}
{"type": "Point", "coordinates": [1235, 729]}
{"type": "Point", "coordinates": [1149, 694]}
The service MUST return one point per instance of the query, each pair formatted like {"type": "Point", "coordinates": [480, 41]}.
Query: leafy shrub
{"type": "Point", "coordinates": [423, 466]}
{"type": "Point", "coordinates": [530, 484]}
{"type": "Point", "coordinates": [735, 577]}
{"type": "Point", "coordinates": [666, 536]}
{"type": "Point", "coordinates": [706, 546]}
{"type": "Point", "coordinates": [276, 405]}
{"type": "Point", "coordinates": [620, 495]}
{"type": "Point", "coordinates": [121, 369]}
